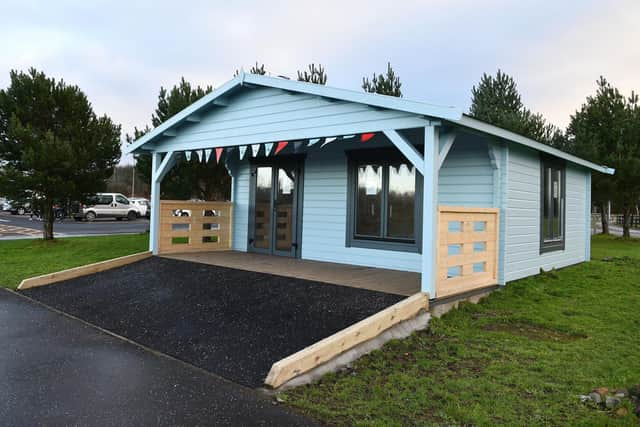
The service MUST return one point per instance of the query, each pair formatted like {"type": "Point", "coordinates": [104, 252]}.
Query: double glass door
{"type": "Point", "coordinates": [275, 216]}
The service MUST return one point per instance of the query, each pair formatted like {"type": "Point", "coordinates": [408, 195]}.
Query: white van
{"type": "Point", "coordinates": [107, 205]}
{"type": "Point", "coordinates": [141, 204]}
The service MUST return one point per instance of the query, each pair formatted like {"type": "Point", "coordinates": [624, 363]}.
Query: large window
{"type": "Point", "coordinates": [552, 183]}
{"type": "Point", "coordinates": [383, 210]}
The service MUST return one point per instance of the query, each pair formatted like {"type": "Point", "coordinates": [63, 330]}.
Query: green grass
{"type": "Point", "coordinates": [520, 357]}
{"type": "Point", "coordinates": [20, 259]}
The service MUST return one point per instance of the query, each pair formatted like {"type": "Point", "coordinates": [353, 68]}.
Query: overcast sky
{"type": "Point", "coordinates": [120, 53]}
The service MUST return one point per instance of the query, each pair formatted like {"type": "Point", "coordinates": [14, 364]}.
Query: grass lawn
{"type": "Point", "coordinates": [20, 259]}
{"type": "Point", "coordinates": [520, 357]}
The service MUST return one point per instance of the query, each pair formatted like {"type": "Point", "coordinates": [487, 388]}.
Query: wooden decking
{"type": "Point", "coordinates": [377, 279]}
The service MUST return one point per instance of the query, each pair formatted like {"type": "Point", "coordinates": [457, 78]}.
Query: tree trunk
{"type": "Point", "coordinates": [47, 223]}
{"type": "Point", "coordinates": [604, 218]}
{"type": "Point", "coordinates": [626, 224]}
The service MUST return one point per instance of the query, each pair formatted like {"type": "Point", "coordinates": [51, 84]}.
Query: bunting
{"type": "Point", "coordinates": [242, 150]}
{"type": "Point", "coordinates": [207, 155]}
{"type": "Point", "coordinates": [366, 136]}
{"type": "Point", "coordinates": [187, 155]}
{"type": "Point", "coordinates": [255, 149]}
{"type": "Point", "coordinates": [267, 148]}
{"type": "Point", "coordinates": [348, 136]}
{"type": "Point", "coordinates": [281, 146]}
{"type": "Point", "coordinates": [313, 141]}
{"type": "Point", "coordinates": [219, 151]}
{"type": "Point", "coordinates": [328, 140]}
{"type": "Point", "coordinates": [200, 155]}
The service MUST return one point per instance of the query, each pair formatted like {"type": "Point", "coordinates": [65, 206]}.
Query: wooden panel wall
{"type": "Point", "coordinates": [187, 226]}
{"type": "Point", "coordinates": [467, 249]}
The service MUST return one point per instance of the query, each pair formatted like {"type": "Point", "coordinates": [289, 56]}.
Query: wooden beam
{"type": "Point", "coordinates": [406, 148]}
{"type": "Point", "coordinates": [430, 233]}
{"type": "Point", "coordinates": [446, 142]}
{"type": "Point", "coordinates": [72, 273]}
{"type": "Point", "coordinates": [165, 166]}
{"type": "Point", "coordinates": [194, 118]}
{"type": "Point", "coordinates": [336, 344]}
{"type": "Point", "coordinates": [220, 102]}
{"type": "Point", "coordinates": [170, 132]}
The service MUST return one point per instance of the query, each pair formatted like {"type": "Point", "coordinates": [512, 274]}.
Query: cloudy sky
{"type": "Point", "coordinates": [120, 53]}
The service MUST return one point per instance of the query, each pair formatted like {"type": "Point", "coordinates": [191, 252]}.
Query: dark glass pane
{"type": "Point", "coordinates": [262, 230]}
{"type": "Point", "coordinates": [401, 201]}
{"type": "Point", "coordinates": [369, 200]}
{"type": "Point", "coordinates": [556, 195]}
{"type": "Point", "coordinates": [284, 208]}
{"type": "Point", "coordinates": [546, 204]}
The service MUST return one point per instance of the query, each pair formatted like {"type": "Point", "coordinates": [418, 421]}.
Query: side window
{"type": "Point", "coordinates": [552, 198]}
{"type": "Point", "coordinates": [105, 200]}
{"type": "Point", "coordinates": [122, 200]}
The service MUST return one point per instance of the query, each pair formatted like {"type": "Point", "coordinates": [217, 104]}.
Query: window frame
{"type": "Point", "coordinates": [559, 165]}
{"type": "Point", "coordinates": [384, 157]}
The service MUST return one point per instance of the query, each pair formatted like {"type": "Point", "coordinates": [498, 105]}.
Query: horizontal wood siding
{"type": "Point", "coordinates": [266, 114]}
{"type": "Point", "coordinates": [466, 177]}
{"type": "Point", "coordinates": [522, 240]}
{"type": "Point", "coordinates": [325, 217]}
{"type": "Point", "coordinates": [241, 173]}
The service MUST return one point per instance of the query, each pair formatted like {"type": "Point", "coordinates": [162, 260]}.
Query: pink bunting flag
{"type": "Point", "coordinates": [281, 146]}
{"type": "Point", "coordinates": [219, 151]}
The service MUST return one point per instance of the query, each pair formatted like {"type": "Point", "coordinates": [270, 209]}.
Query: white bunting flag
{"type": "Point", "coordinates": [348, 136]}
{"type": "Point", "coordinates": [313, 141]}
{"type": "Point", "coordinates": [187, 155]}
{"type": "Point", "coordinates": [328, 140]}
{"type": "Point", "coordinates": [207, 155]}
{"type": "Point", "coordinates": [267, 148]}
{"type": "Point", "coordinates": [242, 149]}
{"type": "Point", "coordinates": [255, 149]}
{"type": "Point", "coordinates": [200, 154]}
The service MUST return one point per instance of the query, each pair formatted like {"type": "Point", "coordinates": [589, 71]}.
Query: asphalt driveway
{"type": "Point", "coordinates": [59, 371]}
{"type": "Point", "coordinates": [230, 322]}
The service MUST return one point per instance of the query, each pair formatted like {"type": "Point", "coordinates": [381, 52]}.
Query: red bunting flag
{"type": "Point", "coordinates": [366, 136]}
{"type": "Point", "coordinates": [219, 151]}
{"type": "Point", "coordinates": [281, 145]}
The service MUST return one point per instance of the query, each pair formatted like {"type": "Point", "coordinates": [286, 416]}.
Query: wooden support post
{"type": "Point", "coordinates": [430, 210]}
{"type": "Point", "coordinates": [154, 219]}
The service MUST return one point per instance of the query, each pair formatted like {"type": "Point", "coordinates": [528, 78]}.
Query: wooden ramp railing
{"type": "Point", "coordinates": [187, 226]}
{"type": "Point", "coordinates": [467, 249]}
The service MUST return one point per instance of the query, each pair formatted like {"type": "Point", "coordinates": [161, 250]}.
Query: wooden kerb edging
{"type": "Point", "coordinates": [336, 344]}
{"type": "Point", "coordinates": [84, 270]}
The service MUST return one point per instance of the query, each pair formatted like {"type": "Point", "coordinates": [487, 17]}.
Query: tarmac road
{"type": "Point", "coordinates": [20, 227]}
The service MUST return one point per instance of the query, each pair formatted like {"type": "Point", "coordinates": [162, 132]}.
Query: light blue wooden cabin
{"type": "Point", "coordinates": [378, 181]}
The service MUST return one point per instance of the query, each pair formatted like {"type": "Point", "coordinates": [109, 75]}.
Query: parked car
{"type": "Point", "coordinates": [107, 205]}
{"type": "Point", "coordinates": [19, 207]}
{"type": "Point", "coordinates": [5, 205]}
{"type": "Point", "coordinates": [142, 205]}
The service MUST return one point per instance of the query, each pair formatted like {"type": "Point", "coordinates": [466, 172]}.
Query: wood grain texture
{"type": "Point", "coordinates": [466, 238]}
{"type": "Point", "coordinates": [332, 346]}
{"type": "Point", "coordinates": [191, 233]}
{"type": "Point", "coordinates": [72, 273]}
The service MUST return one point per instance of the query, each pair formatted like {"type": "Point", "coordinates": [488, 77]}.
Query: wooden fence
{"type": "Point", "coordinates": [467, 249]}
{"type": "Point", "coordinates": [187, 226]}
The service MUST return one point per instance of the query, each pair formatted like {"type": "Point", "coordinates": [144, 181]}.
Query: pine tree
{"type": "Point", "coordinates": [314, 75]}
{"type": "Point", "coordinates": [606, 130]}
{"type": "Point", "coordinates": [388, 84]}
{"type": "Point", "coordinates": [256, 69]}
{"type": "Point", "coordinates": [52, 145]}
{"type": "Point", "coordinates": [496, 100]}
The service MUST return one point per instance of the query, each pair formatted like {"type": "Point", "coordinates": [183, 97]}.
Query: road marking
{"type": "Point", "coordinates": [4, 220]}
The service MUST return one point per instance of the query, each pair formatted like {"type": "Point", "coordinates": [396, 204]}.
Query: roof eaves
{"type": "Point", "coordinates": [182, 115]}
{"type": "Point", "coordinates": [479, 125]}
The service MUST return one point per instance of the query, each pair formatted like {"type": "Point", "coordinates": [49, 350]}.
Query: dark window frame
{"type": "Point", "coordinates": [547, 245]}
{"type": "Point", "coordinates": [384, 157]}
